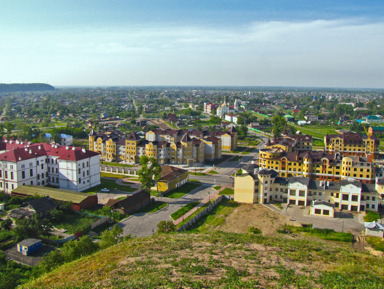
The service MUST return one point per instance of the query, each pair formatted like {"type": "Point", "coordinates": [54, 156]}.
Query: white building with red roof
{"type": "Point", "coordinates": [65, 167]}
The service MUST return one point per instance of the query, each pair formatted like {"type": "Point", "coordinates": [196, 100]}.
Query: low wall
{"type": "Point", "coordinates": [201, 214]}
{"type": "Point", "coordinates": [118, 170]}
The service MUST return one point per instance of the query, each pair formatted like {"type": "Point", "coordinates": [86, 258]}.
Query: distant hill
{"type": "Point", "coordinates": [25, 87]}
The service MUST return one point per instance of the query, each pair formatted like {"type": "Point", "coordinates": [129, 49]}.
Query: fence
{"type": "Point", "coordinates": [201, 214]}
{"type": "Point", "coordinates": [99, 222]}
{"type": "Point", "coordinates": [118, 170]}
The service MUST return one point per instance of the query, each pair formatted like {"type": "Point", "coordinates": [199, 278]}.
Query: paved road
{"type": "Point", "coordinates": [146, 224]}
{"type": "Point", "coordinates": [344, 222]}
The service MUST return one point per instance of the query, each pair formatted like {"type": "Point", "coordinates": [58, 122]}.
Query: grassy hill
{"type": "Point", "coordinates": [220, 260]}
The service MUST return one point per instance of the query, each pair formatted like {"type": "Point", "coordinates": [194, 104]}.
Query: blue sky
{"type": "Point", "coordinates": [205, 42]}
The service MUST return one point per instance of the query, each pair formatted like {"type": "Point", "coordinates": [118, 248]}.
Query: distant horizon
{"type": "Point", "coordinates": [197, 86]}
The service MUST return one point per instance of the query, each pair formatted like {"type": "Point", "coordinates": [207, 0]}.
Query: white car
{"type": "Point", "coordinates": [105, 190]}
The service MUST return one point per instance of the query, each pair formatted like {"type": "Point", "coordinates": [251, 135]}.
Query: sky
{"type": "Point", "coordinates": [308, 43]}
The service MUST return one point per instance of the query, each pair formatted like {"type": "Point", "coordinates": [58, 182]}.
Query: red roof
{"type": "Point", "coordinates": [24, 151]}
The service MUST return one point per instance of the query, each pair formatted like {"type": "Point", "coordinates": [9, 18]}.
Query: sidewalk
{"type": "Point", "coordinates": [211, 197]}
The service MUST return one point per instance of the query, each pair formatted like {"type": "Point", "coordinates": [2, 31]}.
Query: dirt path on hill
{"type": "Point", "coordinates": [254, 215]}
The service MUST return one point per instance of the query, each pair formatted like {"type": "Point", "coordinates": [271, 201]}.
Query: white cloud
{"type": "Point", "coordinates": [314, 53]}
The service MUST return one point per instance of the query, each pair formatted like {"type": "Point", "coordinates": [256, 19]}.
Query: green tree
{"type": "Point", "coordinates": [32, 227]}
{"type": "Point", "coordinates": [242, 132]}
{"type": "Point", "coordinates": [166, 227]}
{"type": "Point", "coordinates": [73, 250]}
{"type": "Point", "coordinates": [52, 260]}
{"type": "Point", "coordinates": [278, 123]}
{"type": "Point", "coordinates": [111, 237]}
{"type": "Point", "coordinates": [149, 173]}
{"type": "Point", "coordinates": [9, 126]}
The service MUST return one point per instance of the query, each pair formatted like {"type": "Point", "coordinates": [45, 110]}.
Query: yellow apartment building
{"type": "Point", "coordinates": [317, 165]}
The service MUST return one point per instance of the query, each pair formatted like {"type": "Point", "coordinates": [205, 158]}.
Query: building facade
{"type": "Point", "coordinates": [317, 165]}
{"type": "Point", "coordinates": [167, 146]}
{"type": "Point", "coordinates": [352, 144]}
{"type": "Point", "coordinates": [266, 186]}
{"type": "Point", "coordinates": [42, 164]}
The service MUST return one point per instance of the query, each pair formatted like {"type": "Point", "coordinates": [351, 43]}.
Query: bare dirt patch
{"type": "Point", "coordinates": [254, 215]}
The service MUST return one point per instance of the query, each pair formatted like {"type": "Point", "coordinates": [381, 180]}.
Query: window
{"type": "Point", "coordinates": [302, 193]}
{"type": "Point", "coordinates": [373, 198]}
{"type": "Point", "coordinates": [317, 211]}
{"type": "Point", "coordinates": [37, 162]}
{"type": "Point", "coordinates": [22, 174]}
{"type": "Point", "coordinates": [31, 172]}
{"type": "Point", "coordinates": [326, 212]}
{"type": "Point", "coordinates": [6, 174]}
{"type": "Point", "coordinates": [345, 197]}
{"type": "Point", "coordinates": [354, 198]}
{"type": "Point", "coordinates": [42, 166]}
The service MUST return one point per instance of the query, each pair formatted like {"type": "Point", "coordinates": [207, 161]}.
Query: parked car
{"type": "Point", "coordinates": [105, 190]}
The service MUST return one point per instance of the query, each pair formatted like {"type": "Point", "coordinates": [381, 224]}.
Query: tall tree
{"type": "Point", "coordinates": [278, 123]}
{"type": "Point", "coordinates": [149, 173]}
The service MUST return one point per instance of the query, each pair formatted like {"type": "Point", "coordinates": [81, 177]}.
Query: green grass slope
{"type": "Point", "coordinates": [220, 260]}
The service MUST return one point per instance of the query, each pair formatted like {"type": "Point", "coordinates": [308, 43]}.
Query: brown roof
{"type": "Point", "coordinates": [169, 172]}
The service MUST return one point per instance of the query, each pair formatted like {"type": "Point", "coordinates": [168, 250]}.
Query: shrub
{"type": "Point", "coordinates": [166, 227]}
{"type": "Point", "coordinates": [254, 230]}
{"type": "Point", "coordinates": [371, 216]}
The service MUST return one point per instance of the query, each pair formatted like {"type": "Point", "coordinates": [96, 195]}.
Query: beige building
{"type": "Point", "coordinates": [167, 146]}
{"type": "Point", "coordinates": [265, 186]}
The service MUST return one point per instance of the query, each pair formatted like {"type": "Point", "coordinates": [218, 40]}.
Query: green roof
{"type": "Point", "coordinates": [378, 128]}
{"type": "Point", "coordinates": [56, 194]}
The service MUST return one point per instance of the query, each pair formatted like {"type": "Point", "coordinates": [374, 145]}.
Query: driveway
{"type": "Point", "coordinates": [146, 224]}
{"type": "Point", "coordinates": [343, 222]}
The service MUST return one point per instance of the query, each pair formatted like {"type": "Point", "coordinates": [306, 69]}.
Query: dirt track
{"type": "Point", "coordinates": [254, 215]}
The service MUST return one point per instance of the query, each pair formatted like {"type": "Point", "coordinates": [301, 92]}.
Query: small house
{"type": "Point", "coordinates": [374, 229]}
{"type": "Point", "coordinates": [29, 246]}
{"type": "Point", "coordinates": [130, 204]}
{"type": "Point", "coordinates": [42, 206]}
{"type": "Point", "coordinates": [321, 208]}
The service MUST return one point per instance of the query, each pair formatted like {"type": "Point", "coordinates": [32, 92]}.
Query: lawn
{"type": "Point", "coordinates": [325, 234]}
{"type": "Point", "coordinates": [216, 217]}
{"type": "Point", "coordinates": [153, 207]}
{"type": "Point", "coordinates": [218, 161]}
{"type": "Point", "coordinates": [190, 217]}
{"type": "Point", "coordinates": [115, 176]}
{"type": "Point", "coordinates": [112, 185]}
{"type": "Point", "coordinates": [217, 187]}
{"type": "Point", "coordinates": [182, 211]}
{"type": "Point", "coordinates": [226, 191]}
{"type": "Point", "coordinates": [319, 131]}
{"type": "Point", "coordinates": [371, 216]}
{"type": "Point", "coordinates": [235, 159]}
{"type": "Point", "coordinates": [376, 242]}
{"type": "Point", "coordinates": [184, 189]}
{"type": "Point", "coordinates": [75, 222]}
{"type": "Point", "coordinates": [213, 172]}
{"type": "Point", "coordinates": [117, 165]}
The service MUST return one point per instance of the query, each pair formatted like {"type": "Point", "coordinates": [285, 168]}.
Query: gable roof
{"type": "Point", "coordinates": [42, 205]}
{"type": "Point", "coordinates": [27, 151]}
{"type": "Point", "coordinates": [56, 194]}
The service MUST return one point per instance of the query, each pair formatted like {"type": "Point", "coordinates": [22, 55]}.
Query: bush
{"type": "Point", "coordinates": [254, 230]}
{"type": "Point", "coordinates": [371, 216]}
{"type": "Point", "coordinates": [166, 227]}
